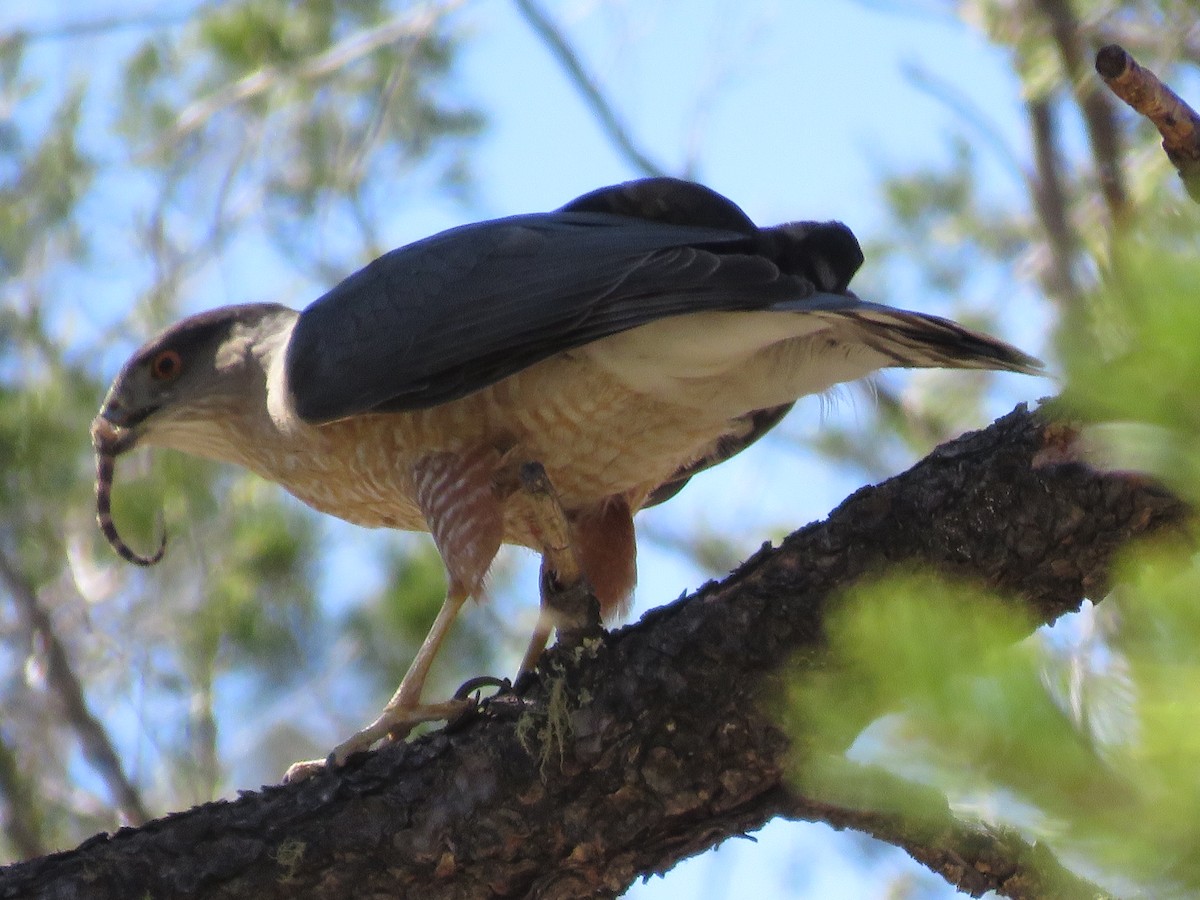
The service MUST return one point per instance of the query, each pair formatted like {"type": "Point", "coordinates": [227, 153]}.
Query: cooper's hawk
{"type": "Point", "coordinates": [640, 334]}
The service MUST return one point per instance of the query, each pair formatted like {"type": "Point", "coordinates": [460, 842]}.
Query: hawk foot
{"type": "Point", "coordinates": [476, 684]}
{"type": "Point", "coordinates": [394, 723]}
{"type": "Point", "coordinates": [573, 606]}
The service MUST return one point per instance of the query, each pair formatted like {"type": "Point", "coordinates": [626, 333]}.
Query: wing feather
{"type": "Point", "coordinates": [449, 315]}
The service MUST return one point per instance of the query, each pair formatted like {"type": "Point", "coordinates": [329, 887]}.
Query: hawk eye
{"type": "Point", "coordinates": [166, 365]}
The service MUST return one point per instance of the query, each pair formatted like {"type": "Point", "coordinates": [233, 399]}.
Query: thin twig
{"type": "Point", "coordinates": [23, 817]}
{"type": "Point", "coordinates": [1177, 122]}
{"type": "Point", "coordinates": [97, 746]}
{"type": "Point", "coordinates": [352, 49]}
{"type": "Point", "coordinates": [1099, 117]}
{"type": "Point", "coordinates": [956, 100]}
{"type": "Point", "coordinates": [1050, 201]}
{"type": "Point", "coordinates": [545, 29]}
{"type": "Point", "coordinates": [1045, 183]}
{"type": "Point", "coordinates": [973, 857]}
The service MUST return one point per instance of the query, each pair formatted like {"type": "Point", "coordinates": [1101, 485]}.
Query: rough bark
{"type": "Point", "coordinates": [631, 752]}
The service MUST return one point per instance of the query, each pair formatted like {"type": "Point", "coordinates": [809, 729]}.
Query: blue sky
{"type": "Point", "coordinates": [792, 109]}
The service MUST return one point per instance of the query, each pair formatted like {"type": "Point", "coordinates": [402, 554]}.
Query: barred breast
{"type": "Point", "coordinates": [595, 437]}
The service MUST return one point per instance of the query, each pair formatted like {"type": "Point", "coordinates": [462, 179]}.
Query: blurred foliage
{"type": "Point", "coordinates": [932, 681]}
{"type": "Point", "coordinates": [278, 125]}
{"type": "Point", "coordinates": [1131, 360]}
{"type": "Point", "coordinates": [41, 186]}
{"type": "Point", "coordinates": [1082, 736]}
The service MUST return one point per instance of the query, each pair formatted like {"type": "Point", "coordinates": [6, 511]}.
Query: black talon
{"type": "Point", "coordinates": [471, 685]}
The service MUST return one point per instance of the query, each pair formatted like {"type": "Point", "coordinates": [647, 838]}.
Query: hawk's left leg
{"type": "Point", "coordinates": [588, 562]}
{"type": "Point", "coordinates": [457, 496]}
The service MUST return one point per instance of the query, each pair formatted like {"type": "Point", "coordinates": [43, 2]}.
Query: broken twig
{"type": "Point", "coordinates": [1177, 122]}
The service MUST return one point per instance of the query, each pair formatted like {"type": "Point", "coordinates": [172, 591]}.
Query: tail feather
{"type": "Point", "coordinates": [921, 341]}
{"type": "Point", "coordinates": [915, 340]}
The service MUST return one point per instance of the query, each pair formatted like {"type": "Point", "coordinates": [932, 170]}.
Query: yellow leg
{"type": "Point", "coordinates": [561, 568]}
{"type": "Point", "coordinates": [557, 550]}
{"type": "Point", "coordinates": [404, 710]}
{"type": "Point", "coordinates": [537, 640]}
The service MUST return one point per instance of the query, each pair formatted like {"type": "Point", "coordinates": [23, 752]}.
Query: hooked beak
{"type": "Point", "coordinates": [114, 430]}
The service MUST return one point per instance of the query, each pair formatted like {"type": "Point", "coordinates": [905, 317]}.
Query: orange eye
{"type": "Point", "coordinates": [166, 365]}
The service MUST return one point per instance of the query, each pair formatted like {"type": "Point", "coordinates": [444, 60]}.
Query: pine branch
{"type": "Point", "coordinates": [628, 753]}
{"type": "Point", "coordinates": [974, 858]}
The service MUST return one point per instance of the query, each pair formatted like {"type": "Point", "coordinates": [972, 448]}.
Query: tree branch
{"type": "Point", "coordinates": [1050, 202]}
{"type": "Point", "coordinates": [957, 101]}
{"type": "Point", "coordinates": [1099, 117]}
{"type": "Point", "coordinates": [22, 819]}
{"type": "Point", "coordinates": [60, 674]}
{"type": "Point", "coordinates": [359, 45]}
{"type": "Point", "coordinates": [626, 754]}
{"type": "Point", "coordinates": [973, 857]}
{"type": "Point", "coordinates": [1177, 122]}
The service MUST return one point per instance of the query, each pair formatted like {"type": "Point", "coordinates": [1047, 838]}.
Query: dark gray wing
{"type": "Point", "coordinates": [671, 201]}
{"type": "Point", "coordinates": [449, 315]}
